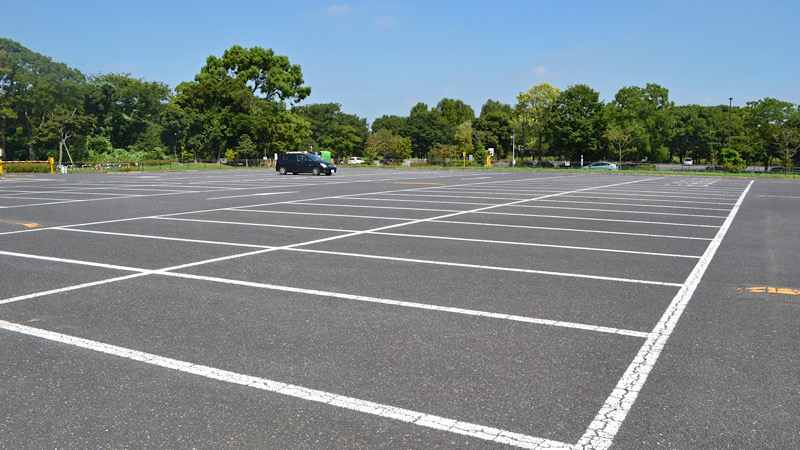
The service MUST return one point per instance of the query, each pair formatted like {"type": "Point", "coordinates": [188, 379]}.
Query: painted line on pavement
{"type": "Point", "coordinates": [250, 195]}
{"type": "Point", "coordinates": [415, 305]}
{"type": "Point", "coordinates": [601, 432]}
{"type": "Point", "coordinates": [291, 390]}
{"type": "Point", "coordinates": [770, 290]}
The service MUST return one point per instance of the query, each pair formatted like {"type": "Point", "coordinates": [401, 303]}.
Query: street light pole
{"type": "Point", "coordinates": [513, 148]}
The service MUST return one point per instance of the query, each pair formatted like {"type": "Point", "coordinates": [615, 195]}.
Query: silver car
{"type": "Point", "coordinates": [601, 165]}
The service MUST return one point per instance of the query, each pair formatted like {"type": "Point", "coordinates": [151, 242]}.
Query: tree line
{"type": "Point", "coordinates": [246, 104]}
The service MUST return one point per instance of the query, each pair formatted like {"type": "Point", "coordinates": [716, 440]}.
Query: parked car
{"type": "Point", "coordinates": [299, 162]}
{"type": "Point", "coordinates": [355, 160]}
{"type": "Point", "coordinates": [687, 161]}
{"type": "Point", "coordinates": [601, 165]}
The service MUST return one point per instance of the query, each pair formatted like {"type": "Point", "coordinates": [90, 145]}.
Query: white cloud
{"type": "Point", "coordinates": [541, 70]}
{"type": "Point", "coordinates": [386, 21]}
{"type": "Point", "coordinates": [448, 89]}
{"type": "Point", "coordinates": [339, 9]}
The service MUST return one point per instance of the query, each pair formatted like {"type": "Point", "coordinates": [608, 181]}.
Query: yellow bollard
{"type": "Point", "coordinates": [51, 164]}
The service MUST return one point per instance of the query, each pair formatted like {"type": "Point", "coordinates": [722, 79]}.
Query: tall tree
{"type": "Point", "coordinates": [33, 86]}
{"type": "Point", "coordinates": [244, 93]}
{"type": "Point", "coordinates": [532, 111]}
{"type": "Point", "coordinates": [466, 138]}
{"type": "Point", "coordinates": [776, 124]}
{"type": "Point", "coordinates": [7, 114]}
{"type": "Point", "coordinates": [621, 141]}
{"type": "Point", "coordinates": [126, 109]}
{"type": "Point", "coordinates": [577, 124]}
{"type": "Point", "coordinates": [455, 112]}
{"type": "Point", "coordinates": [332, 130]}
{"type": "Point", "coordinates": [694, 135]}
{"type": "Point", "coordinates": [426, 128]}
{"type": "Point", "coordinates": [395, 124]}
{"type": "Point", "coordinates": [648, 111]}
{"type": "Point", "coordinates": [495, 128]}
{"type": "Point", "coordinates": [264, 72]}
{"type": "Point", "coordinates": [63, 125]}
{"type": "Point", "coordinates": [384, 143]}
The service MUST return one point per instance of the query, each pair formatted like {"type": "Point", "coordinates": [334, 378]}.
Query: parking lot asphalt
{"type": "Point", "coordinates": [385, 308]}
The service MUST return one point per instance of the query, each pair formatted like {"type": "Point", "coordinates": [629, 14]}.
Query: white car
{"type": "Point", "coordinates": [355, 160]}
{"type": "Point", "coordinates": [687, 161]}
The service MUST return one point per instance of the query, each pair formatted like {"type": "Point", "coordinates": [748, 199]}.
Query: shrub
{"type": "Point", "coordinates": [731, 161]}
{"type": "Point", "coordinates": [26, 168]}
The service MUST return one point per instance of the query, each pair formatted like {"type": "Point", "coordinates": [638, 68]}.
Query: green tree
{"type": "Point", "coordinates": [732, 161]}
{"type": "Point", "coordinates": [787, 140]}
{"type": "Point", "coordinates": [776, 127]}
{"type": "Point", "coordinates": [127, 110]}
{"type": "Point", "coordinates": [648, 112]}
{"type": "Point", "coordinates": [175, 123]}
{"type": "Point", "coordinates": [264, 72]}
{"type": "Point", "coordinates": [700, 131]}
{"type": "Point", "coordinates": [7, 113]}
{"type": "Point", "coordinates": [332, 130]}
{"type": "Point", "coordinates": [290, 132]}
{"type": "Point", "coordinates": [400, 147]}
{"type": "Point", "coordinates": [246, 148]}
{"type": "Point", "coordinates": [465, 138]}
{"type": "Point", "coordinates": [242, 94]}
{"type": "Point", "coordinates": [427, 128]}
{"type": "Point", "coordinates": [385, 143]}
{"type": "Point", "coordinates": [577, 124]}
{"type": "Point", "coordinates": [455, 112]}
{"type": "Point", "coordinates": [443, 153]}
{"type": "Point", "coordinates": [621, 141]}
{"type": "Point", "coordinates": [495, 127]}
{"type": "Point", "coordinates": [62, 126]}
{"type": "Point", "coordinates": [379, 144]}
{"type": "Point", "coordinates": [33, 87]}
{"type": "Point", "coordinates": [395, 124]}
{"type": "Point", "coordinates": [532, 111]}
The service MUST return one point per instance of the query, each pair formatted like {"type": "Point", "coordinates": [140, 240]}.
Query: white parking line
{"type": "Point", "coordinates": [291, 390]}
{"type": "Point", "coordinates": [576, 230]}
{"type": "Point", "coordinates": [496, 268]}
{"type": "Point", "coordinates": [601, 432]}
{"type": "Point", "coordinates": [250, 195]}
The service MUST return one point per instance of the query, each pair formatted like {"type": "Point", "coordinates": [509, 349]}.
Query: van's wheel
{"type": "Point", "coordinates": [315, 171]}
{"type": "Point", "coordinates": [282, 170]}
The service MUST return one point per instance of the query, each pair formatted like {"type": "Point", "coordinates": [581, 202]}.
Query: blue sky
{"type": "Point", "coordinates": [382, 57]}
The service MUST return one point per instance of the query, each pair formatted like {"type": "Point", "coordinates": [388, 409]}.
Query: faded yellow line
{"type": "Point", "coordinates": [770, 290]}
{"type": "Point", "coordinates": [24, 224]}
{"type": "Point", "coordinates": [778, 196]}
{"type": "Point", "coordinates": [411, 182]}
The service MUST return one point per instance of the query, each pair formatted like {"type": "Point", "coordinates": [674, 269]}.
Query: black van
{"type": "Point", "coordinates": [297, 162]}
